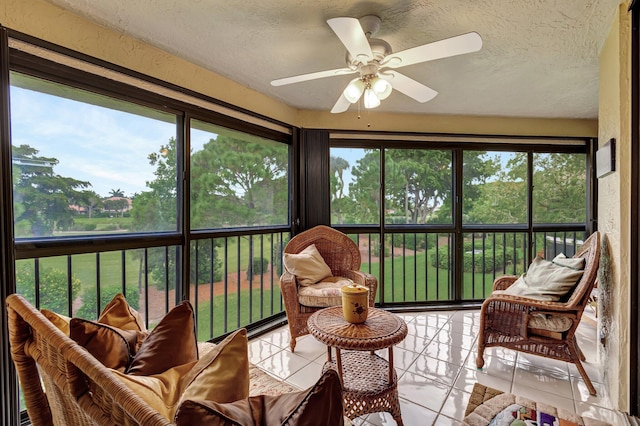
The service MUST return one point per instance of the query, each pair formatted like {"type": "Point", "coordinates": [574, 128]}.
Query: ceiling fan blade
{"type": "Point", "coordinates": [409, 86]}
{"type": "Point", "coordinates": [350, 33]}
{"type": "Point", "coordinates": [311, 76]}
{"type": "Point", "coordinates": [458, 45]}
{"type": "Point", "coordinates": [341, 105]}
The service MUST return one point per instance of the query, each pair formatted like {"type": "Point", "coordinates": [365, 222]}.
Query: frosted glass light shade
{"type": "Point", "coordinates": [381, 87]}
{"type": "Point", "coordinates": [370, 99]}
{"type": "Point", "coordinates": [354, 90]}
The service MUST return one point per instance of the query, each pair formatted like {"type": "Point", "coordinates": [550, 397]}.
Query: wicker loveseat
{"type": "Point", "coordinates": [79, 389]}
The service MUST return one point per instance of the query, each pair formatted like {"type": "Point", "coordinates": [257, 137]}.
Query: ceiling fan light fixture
{"type": "Point", "coordinates": [382, 88]}
{"type": "Point", "coordinates": [371, 100]}
{"type": "Point", "coordinates": [354, 90]}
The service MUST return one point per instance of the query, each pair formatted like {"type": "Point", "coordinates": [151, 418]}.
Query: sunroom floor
{"type": "Point", "coordinates": [436, 370]}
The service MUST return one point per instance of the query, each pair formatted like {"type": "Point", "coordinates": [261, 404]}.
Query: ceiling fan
{"type": "Point", "coordinates": [374, 60]}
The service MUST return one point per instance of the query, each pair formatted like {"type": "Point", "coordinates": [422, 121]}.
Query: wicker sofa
{"type": "Point", "coordinates": [79, 389]}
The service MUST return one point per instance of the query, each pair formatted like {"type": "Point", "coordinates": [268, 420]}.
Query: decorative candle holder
{"type": "Point", "coordinates": [355, 303]}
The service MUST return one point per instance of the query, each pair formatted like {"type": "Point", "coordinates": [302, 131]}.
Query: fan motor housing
{"type": "Point", "coordinates": [380, 49]}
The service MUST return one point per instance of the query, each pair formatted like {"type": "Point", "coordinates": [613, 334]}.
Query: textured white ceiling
{"type": "Point", "coordinates": [539, 57]}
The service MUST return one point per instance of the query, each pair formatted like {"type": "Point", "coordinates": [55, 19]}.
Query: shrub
{"type": "Point", "coordinates": [89, 310]}
{"type": "Point", "coordinates": [259, 266]}
{"type": "Point", "coordinates": [54, 287]}
{"type": "Point", "coordinates": [483, 261]}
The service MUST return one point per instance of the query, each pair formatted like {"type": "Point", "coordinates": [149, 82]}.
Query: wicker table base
{"type": "Point", "coordinates": [366, 388]}
{"type": "Point", "coordinates": [369, 382]}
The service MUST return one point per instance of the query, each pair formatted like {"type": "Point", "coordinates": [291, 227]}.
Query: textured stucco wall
{"type": "Point", "coordinates": [613, 203]}
{"type": "Point", "coordinates": [41, 19]}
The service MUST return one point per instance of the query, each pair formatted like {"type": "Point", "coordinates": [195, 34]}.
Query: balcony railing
{"type": "Point", "coordinates": [235, 279]}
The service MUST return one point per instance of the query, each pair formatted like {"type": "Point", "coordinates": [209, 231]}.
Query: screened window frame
{"type": "Point", "coordinates": [458, 144]}
{"type": "Point", "coordinates": [38, 67]}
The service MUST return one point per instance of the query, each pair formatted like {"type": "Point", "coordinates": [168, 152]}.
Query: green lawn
{"type": "Point", "coordinates": [414, 278]}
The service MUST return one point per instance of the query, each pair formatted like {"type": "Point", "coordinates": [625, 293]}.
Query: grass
{"type": "Point", "coordinates": [225, 315]}
{"type": "Point", "coordinates": [415, 279]}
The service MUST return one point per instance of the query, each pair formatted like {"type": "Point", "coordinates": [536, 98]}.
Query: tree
{"type": "Point", "coordinates": [157, 209]}
{"type": "Point", "coordinates": [560, 188]}
{"type": "Point", "coordinates": [499, 194]}
{"type": "Point", "coordinates": [559, 194]}
{"type": "Point", "coordinates": [417, 182]}
{"type": "Point", "coordinates": [116, 193]}
{"type": "Point", "coordinates": [337, 166]}
{"type": "Point", "coordinates": [239, 182]}
{"type": "Point", "coordinates": [364, 191]}
{"type": "Point", "coordinates": [41, 197]}
{"type": "Point", "coordinates": [115, 204]}
{"type": "Point", "coordinates": [90, 200]}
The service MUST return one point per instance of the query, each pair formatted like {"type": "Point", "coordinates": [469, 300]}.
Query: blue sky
{"type": "Point", "coordinates": [106, 147]}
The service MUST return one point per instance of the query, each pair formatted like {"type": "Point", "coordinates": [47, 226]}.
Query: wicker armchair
{"type": "Point", "coordinates": [504, 319]}
{"type": "Point", "coordinates": [341, 254]}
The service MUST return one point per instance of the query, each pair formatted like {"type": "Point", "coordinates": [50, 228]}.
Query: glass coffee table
{"type": "Point", "coordinates": [369, 382]}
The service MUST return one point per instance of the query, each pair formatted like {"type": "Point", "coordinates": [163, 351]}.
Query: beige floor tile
{"type": "Point", "coordinates": [402, 358]}
{"type": "Point", "coordinates": [540, 395]}
{"type": "Point", "coordinates": [306, 377]}
{"type": "Point", "coordinates": [309, 348]}
{"type": "Point", "coordinates": [279, 337]}
{"type": "Point", "coordinates": [413, 343]}
{"type": "Point", "coordinates": [443, 420]}
{"type": "Point", "coordinates": [545, 380]}
{"type": "Point", "coordinates": [468, 377]}
{"type": "Point", "coordinates": [283, 364]}
{"type": "Point", "coordinates": [599, 413]}
{"type": "Point", "coordinates": [455, 404]}
{"type": "Point", "coordinates": [581, 393]}
{"type": "Point", "coordinates": [260, 350]}
{"type": "Point", "coordinates": [422, 391]}
{"type": "Point", "coordinates": [435, 369]}
{"type": "Point", "coordinates": [451, 354]}
{"type": "Point", "coordinates": [455, 339]}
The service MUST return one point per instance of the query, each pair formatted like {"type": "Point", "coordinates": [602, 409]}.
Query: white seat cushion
{"type": "Point", "coordinates": [557, 323]}
{"type": "Point", "coordinates": [324, 293]}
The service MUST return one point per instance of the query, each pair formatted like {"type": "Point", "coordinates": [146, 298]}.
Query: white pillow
{"type": "Point", "coordinates": [308, 266]}
{"type": "Point", "coordinates": [548, 280]}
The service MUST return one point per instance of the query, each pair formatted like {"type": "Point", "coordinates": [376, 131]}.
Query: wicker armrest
{"type": "Point", "coordinates": [504, 282]}
{"type": "Point", "coordinates": [364, 279]}
{"type": "Point", "coordinates": [289, 289]}
{"type": "Point", "coordinates": [530, 304]}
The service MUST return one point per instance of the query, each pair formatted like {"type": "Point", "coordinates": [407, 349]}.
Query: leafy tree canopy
{"type": "Point", "coordinates": [41, 197]}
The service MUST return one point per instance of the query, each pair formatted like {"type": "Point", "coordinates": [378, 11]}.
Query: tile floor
{"type": "Point", "coordinates": [436, 370]}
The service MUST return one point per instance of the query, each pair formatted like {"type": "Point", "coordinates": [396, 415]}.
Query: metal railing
{"type": "Point", "coordinates": [235, 278]}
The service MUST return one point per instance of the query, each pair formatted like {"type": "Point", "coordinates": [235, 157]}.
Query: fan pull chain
{"type": "Point", "coordinates": [368, 113]}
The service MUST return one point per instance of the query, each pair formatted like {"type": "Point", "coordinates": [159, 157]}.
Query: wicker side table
{"type": "Point", "coordinates": [369, 382]}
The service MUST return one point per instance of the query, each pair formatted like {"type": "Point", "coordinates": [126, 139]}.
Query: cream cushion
{"type": "Point", "coordinates": [548, 280]}
{"type": "Point", "coordinates": [308, 266]}
{"type": "Point", "coordinates": [323, 294]}
{"type": "Point", "coordinates": [556, 323]}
